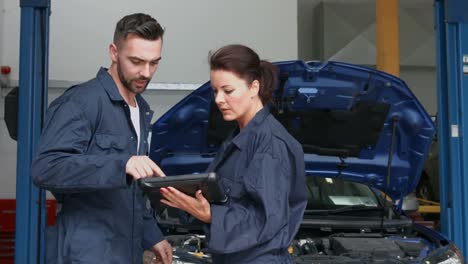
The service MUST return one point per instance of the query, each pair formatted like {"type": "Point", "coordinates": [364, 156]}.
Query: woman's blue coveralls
{"type": "Point", "coordinates": [262, 171]}
{"type": "Point", "coordinates": [87, 139]}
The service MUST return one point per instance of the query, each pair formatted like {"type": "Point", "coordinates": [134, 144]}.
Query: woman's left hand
{"type": "Point", "coordinates": [197, 206]}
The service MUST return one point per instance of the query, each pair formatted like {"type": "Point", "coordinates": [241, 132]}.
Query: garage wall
{"type": "Point", "coordinates": [7, 146]}
{"type": "Point", "coordinates": [309, 28]}
{"type": "Point", "coordinates": [2, 25]}
{"type": "Point", "coordinates": [81, 31]}
{"type": "Point", "coordinates": [344, 30]}
{"type": "Point", "coordinates": [7, 161]}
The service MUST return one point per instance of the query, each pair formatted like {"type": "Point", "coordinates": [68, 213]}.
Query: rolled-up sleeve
{"type": "Point", "coordinates": [62, 163]}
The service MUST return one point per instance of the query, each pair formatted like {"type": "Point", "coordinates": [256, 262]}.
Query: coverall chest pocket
{"type": "Point", "coordinates": [111, 143]}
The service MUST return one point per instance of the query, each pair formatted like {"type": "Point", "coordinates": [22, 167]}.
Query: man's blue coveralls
{"type": "Point", "coordinates": [263, 173]}
{"type": "Point", "coordinates": [87, 139]}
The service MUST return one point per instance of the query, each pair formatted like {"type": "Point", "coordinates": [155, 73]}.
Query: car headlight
{"type": "Point", "coordinates": [445, 255]}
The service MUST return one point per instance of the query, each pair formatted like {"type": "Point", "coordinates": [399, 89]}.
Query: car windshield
{"type": "Point", "coordinates": [334, 193]}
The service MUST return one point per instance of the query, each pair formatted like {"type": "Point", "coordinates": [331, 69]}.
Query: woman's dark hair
{"type": "Point", "coordinates": [246, 64]}
{"type": "Point", "coordinates": [142, 25]}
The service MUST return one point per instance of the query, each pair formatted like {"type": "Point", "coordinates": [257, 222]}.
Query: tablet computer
{"type": "Point", "coordinates": [188, 183]}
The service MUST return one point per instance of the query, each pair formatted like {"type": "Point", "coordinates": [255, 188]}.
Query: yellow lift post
{"type": "Point", "coordinates": [388, 45]}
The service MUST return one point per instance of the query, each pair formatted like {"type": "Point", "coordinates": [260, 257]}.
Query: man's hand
{"type": "Point", "coordinates": [162, 252]}
{"type": "Point", "coordinates": [142, 167]}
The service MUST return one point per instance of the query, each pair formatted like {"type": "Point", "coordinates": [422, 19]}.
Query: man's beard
{"type": "Point", "coordinates": [127, 83]}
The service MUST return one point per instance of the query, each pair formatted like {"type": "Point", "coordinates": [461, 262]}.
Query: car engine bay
{"type": "Point", "coordinates": [392, 246]}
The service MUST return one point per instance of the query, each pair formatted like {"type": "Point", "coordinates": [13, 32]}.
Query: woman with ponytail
{"type": "Point", "coordinates": [261, 167]}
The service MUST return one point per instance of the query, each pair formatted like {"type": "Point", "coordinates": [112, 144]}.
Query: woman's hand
{"type": "Point", "coordinates": [199, 207]}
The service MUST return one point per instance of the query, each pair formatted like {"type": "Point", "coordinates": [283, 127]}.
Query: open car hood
{"type": "Point", "coordinates": [348, 118]}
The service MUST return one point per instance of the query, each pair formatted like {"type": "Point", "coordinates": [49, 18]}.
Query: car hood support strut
{"type": "Point", "coordinates": [389, 170]}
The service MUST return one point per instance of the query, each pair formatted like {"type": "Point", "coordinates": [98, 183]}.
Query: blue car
{"type": "Point", "coordinates": [365, 137]}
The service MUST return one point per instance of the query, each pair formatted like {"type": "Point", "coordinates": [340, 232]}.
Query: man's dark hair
{"type": "Point", "coordinates": [139, 24]}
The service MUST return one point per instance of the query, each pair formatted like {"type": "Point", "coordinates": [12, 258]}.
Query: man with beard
{"type": "Point", "coordinates": [92, 150]}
